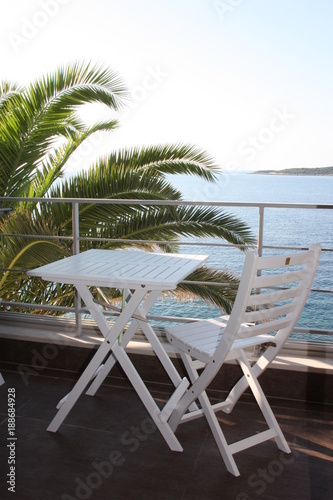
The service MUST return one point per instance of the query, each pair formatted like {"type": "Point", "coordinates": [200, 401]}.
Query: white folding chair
{"type": "Point", "coordinates": [270, 298]}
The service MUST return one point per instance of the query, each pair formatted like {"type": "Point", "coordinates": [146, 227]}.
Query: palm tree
{"type": "Point", "coordinates": [39, 131]}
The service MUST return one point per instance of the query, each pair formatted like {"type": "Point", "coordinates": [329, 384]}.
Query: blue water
{"type": "Point", "coordinates": [289, 227]}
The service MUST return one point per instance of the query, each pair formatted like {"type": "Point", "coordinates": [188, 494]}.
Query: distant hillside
{"type": "Point", "coordinates": [298, 171]}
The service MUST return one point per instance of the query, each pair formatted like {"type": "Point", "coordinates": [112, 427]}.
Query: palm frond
{"type": "Point", "coordinates": [8, 91]}
{"type": "Point", "coordinates": [170, 223]}
{"type": "Point", "coordinates": [218, 288]}
{"type": "Point", "coordinates": [45, 112]}
{"type": "Point", "coordinates": [19, 254]}
{"type": "Point", "coordinates": [167, 159]}
{"type": "Point", "coordinates": [53, 166]}
{"type": "Point", "coordinates": [79, 83]}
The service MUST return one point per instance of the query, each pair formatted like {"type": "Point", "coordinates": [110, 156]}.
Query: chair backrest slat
{"type": "Point", "coordinates": [264, 315]}
{"type": "Point", "coordinates": [262, 305]}
{"type": "Point", "coordinates": [277, 295]}
{"type": "Point", "coordinates": [279, 279]}
{"type": "Point", "coordinates": [284, 260]}
{"type": "Point", "coordinates": [263, 328]}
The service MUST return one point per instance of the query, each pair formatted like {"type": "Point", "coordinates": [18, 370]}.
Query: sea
{"type": "Point", "coordinates": [283, 227]}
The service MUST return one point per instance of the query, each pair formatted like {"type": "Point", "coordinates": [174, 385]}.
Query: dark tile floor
{"type": "Point", "coordinates": [108, 448]}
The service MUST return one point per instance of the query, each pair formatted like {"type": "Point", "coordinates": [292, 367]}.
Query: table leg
{"type": "Point", "coordinates": [109, 363]}
{"type": "Point", "coordinates": [79, 387]}
{"type": "Point", "coordinates": [130, 309]}
{"type": "Point", "coordinates": [111, 334]}
{"type": "Point", "coordinates": [99, 317]}
{"type": "Point", "coordinates": [155, 342]}
{"type": "Point", "coordinates": [158, 348]}
{"type": "Point", "coordinates": [134, 377]}
{"type": "Point", "coordinates": [145, 396]}
{"type": "Point", "coordinates": [160, 352]}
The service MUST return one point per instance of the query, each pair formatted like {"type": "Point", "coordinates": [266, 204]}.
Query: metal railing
{"type": "Point", "coordinates": [76, 239]}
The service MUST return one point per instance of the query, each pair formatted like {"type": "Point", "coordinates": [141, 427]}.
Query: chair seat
{"type": "Point", "coordinates": [201, 338]}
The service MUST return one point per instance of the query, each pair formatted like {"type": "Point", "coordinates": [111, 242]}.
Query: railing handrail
{"type": "Point", "coordinates": [130, 201]}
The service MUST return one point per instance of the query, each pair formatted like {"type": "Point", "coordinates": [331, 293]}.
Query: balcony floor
{"type": "Point", "coordinates": [74, 463]}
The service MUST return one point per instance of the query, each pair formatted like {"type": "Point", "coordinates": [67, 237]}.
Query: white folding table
{"type": "Point", "coordinates": [142, 277]}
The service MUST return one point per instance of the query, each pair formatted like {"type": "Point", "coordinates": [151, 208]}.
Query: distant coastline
{"type": "Point", "coordinates": [298, 171]}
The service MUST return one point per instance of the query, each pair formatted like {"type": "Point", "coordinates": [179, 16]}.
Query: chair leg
{"type": "Point", "coordinates": [218, 435]}
{"type": "Point", "coordinates": [263, 403]}
{"type": "Point", "coordinates": [240, 387]}
{"type": "Point", "coordinates": [212, 420]}
{"type": "Point", "coordinates": [228, 450]}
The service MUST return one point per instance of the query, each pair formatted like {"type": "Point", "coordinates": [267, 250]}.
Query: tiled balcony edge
{"type": "Point", "coordinates": [303, 357]}
{"type": "Point", "coordinates": [57, 352]}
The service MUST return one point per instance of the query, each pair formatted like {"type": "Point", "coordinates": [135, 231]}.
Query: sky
{"type": "Point", "coordinates": [248, 81]}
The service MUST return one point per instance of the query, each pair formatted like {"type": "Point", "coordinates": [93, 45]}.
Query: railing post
{"type": "Point", "coordinates": [257, 348]}
{"type": "Point", "coordinates": [261, 230]}
{"type": "Point", "coordinates": [76, 250]}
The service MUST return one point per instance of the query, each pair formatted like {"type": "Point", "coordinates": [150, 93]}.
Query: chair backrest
{"type": "Point", "coordinates": [270, 298]}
